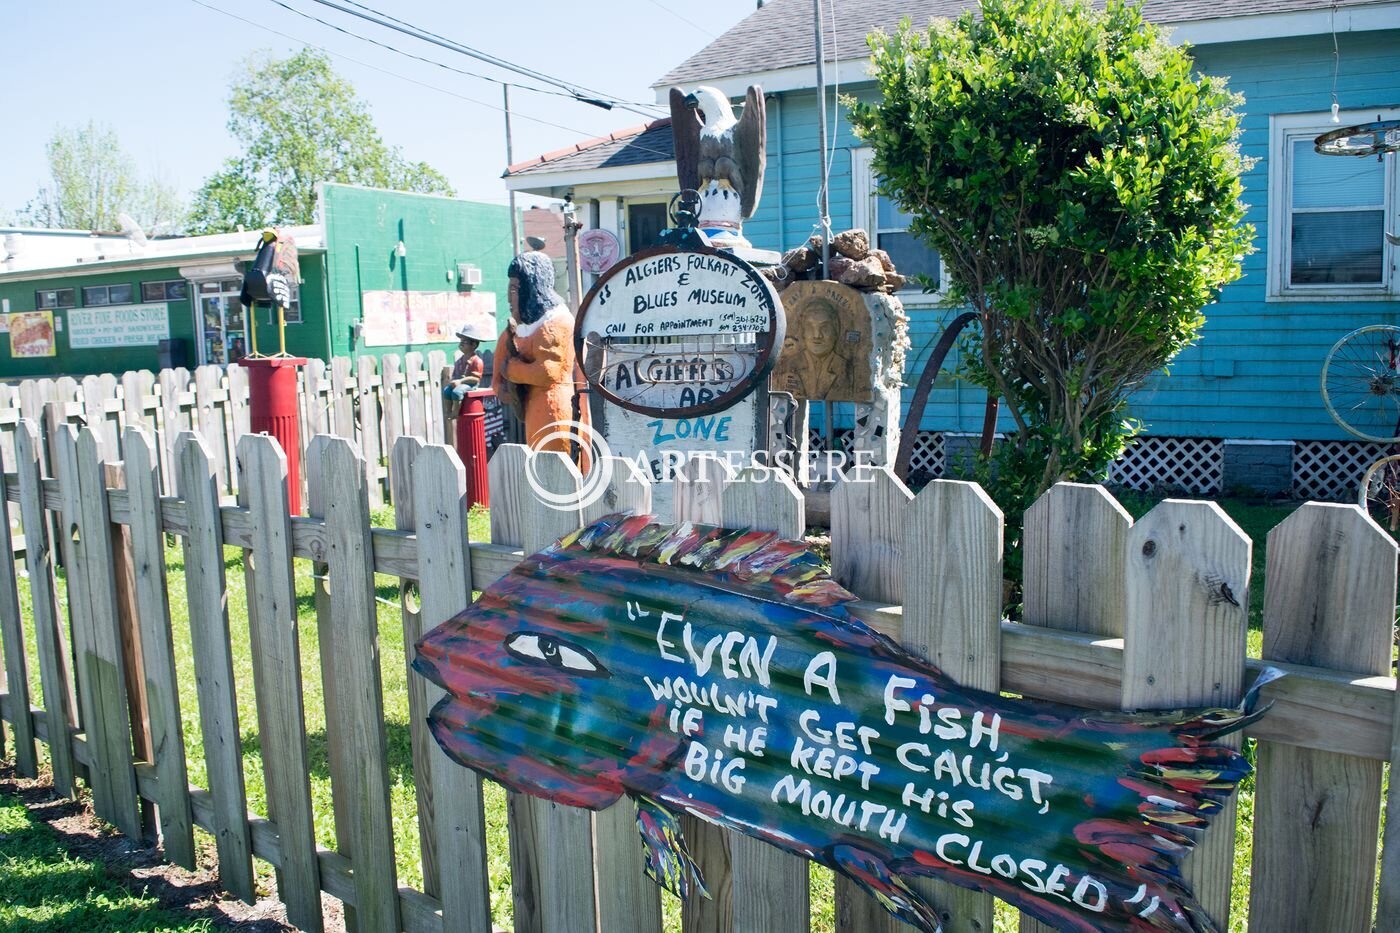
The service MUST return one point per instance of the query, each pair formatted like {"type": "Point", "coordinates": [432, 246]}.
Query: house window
{"type": "Point", "coordinates": [94, 295]}
{"type": "Point", "coordinates": [174, 290]}
{"type": "Point", "coordinates": [1328, 214]}
{"type": "Point", "coordinates": [888, 227]}
{"type": "Point", "coordinates": [54, 298]}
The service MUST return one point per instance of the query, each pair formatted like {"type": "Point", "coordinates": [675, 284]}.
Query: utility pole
{"type": "Point", "coordinates": [823, 194]}
{"type": "Point", "coordinates": [510, 160]}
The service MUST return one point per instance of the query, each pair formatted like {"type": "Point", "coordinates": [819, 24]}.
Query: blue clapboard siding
{"type": "Point", "coordinates": [1254, 372]}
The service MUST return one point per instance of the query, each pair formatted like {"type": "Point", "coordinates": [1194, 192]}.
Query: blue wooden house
{"type": "Point", "coordinates": [1241, 407]}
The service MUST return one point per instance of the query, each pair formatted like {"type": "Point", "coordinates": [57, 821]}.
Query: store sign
{"type": "Point", "coordinates": [396, 318]}
{"type": "Point", "coordinates": [679, 332]}
{"type": "Point", "coordinates": [118, 326]}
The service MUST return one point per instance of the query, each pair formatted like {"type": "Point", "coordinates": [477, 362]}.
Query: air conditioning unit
{"type": "Point", "coordinates": [468, 275]}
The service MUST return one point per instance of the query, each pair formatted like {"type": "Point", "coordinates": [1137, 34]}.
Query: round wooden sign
{"type": "Point", "coordinates": [678, 333]}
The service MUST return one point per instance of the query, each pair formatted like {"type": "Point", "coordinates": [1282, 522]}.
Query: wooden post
{"type": "Point", "coordinates": [452, 814]}
{"type": "Point", "coordinates": [1329, 601]}
{"type": "Point", "coordinates": [350, 658]}
{"type": "Point", "coordinates": [129, 638]}
{"type": "Point", "coordinates": [276, 652]}
{"type": "Point", "coordinates": [1188, 570]}
{"type": "Point", "coordinates": [157, 650]}
{"type": "Point", "coordinates": [206, 592]}
{"type": "Point", "coordinates": [366, 378]}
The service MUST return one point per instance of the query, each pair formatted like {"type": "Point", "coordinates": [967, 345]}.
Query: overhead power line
{"type": "Point", "coordinates": [393, 48]}
{"type": "Point", "coordinates": [578, 91]}
{"type": "Point", "coordinates": [393, 74]}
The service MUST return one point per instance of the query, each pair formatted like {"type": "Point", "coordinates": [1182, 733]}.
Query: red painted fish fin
{"type": "Point", "coordinates": [872, 874]}
{"type": "Point", "coordinates": [668, 861]}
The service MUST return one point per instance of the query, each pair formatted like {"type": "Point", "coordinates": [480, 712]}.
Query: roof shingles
{"type": "Point", "coordinates": [650, 142]}
{"type": "Point", "coordinates": [779, 34]}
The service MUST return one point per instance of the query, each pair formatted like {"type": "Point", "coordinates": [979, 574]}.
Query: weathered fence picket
{"type": "Point", "coordinates": [551, 846]}
{"type": "Point", "coordinates": [213, 661]}
{"type": "Point", "coordinates": [1075, 546]}
{"type": "Point", "coordinates": [1188, 570]}
{"type": "Point", "coordinates": [1152, 614]}
{"type": "Point", "coordinates": [867, 522]}
{"type": "Point", "coordinates": [350, 642]}
{"type": "Point", "coordinates": [452, 813]}
{"type": "Point", "coordinates": [1329, 601]}
{"type": "Point", "coordinates": [276, 652]}
{"type": "Point", "coordinates": [16, 679]}
{"type": "Point", "coordinates": [157, 650]}
{"type": "Point", "coordinates": [50, 634]}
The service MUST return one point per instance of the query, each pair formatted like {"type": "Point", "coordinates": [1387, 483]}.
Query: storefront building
{"type": "Point", "coordinates": [381, 272]}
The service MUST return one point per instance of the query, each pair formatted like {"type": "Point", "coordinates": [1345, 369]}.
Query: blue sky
{"type": "Point", "coordinates": [158, 71]}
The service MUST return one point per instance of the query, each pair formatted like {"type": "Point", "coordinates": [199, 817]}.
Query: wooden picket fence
{"type": "Point", "coordinates": [371, 402]}
{"type": "Point", "coordinates": [1117, 613]}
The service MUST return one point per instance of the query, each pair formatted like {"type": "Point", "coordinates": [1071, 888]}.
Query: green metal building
{"type": "Point", "coordinates": [74, 303]}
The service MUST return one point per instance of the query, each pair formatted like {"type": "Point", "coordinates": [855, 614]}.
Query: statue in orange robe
{"type": "Point", "coordinates": [535, 371]}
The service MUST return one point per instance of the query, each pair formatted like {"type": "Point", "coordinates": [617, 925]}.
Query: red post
{"type": "Point", "coordinates": [471, 445]}
{"type": "Point", "coordinates": [272, 404]}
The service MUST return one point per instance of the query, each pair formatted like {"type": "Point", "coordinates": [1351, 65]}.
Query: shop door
{"type": "Point", "coordinates": [222, 323]}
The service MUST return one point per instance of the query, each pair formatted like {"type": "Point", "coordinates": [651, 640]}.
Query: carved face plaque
{"type": "Point", "coordinates": [826, 354]}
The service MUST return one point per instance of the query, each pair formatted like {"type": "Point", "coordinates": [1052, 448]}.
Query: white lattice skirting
{"type": "Point", "coordinates": [1332, 469]}
{"type": "Point", "coordinates": [1192, 464]}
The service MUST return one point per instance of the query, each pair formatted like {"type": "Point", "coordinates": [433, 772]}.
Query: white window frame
{"type": "Point", "coordinates": [864, 215]}
{"type": "Point", "coordinates": [1284, 131]}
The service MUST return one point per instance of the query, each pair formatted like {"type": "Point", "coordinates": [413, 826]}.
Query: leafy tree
{"type": "Point", "coordinates": [1083, 187]}
{"type": "Point", "coordinates": [92, 180]}
{"type": "Point", "coordinates": [300, 123]}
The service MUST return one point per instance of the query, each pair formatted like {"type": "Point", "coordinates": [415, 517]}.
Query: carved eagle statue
{"type": "Point", "coordinates": [718, 154]}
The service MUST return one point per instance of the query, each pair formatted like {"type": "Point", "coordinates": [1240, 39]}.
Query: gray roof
{"type": "Point", "coordinates": [650, 142]}
{"type": "Point", "coordinates": [780, 33]}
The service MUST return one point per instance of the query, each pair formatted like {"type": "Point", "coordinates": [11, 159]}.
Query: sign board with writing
{"type": "Point", "coordinates": [397, 318]}
{"type": "Point", "coordinates": [662, 446]}
{"type": "Point", "coordinates": [679, 333]}
{"type": "Point", "coordinates": [118, 326]}
{"type": "Point", "coordinates": [717, 673]}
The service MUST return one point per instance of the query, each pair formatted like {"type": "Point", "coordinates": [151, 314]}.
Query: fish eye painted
{"type": "Point", "coordinates": [536, 647]}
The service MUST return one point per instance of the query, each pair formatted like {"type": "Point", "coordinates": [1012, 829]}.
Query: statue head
{"type": "Point", "coordinates": [532, 291]}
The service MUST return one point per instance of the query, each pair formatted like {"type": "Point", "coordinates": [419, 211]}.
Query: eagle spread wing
{"type": "Point", "coordinates": [685, 131]}
{"type": "Point", "coordinates": [750, 147]}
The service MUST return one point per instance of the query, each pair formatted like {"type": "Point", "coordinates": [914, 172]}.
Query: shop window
{"type": "Point", "coordinates": [54, 298]}
{"type": "Point", "coordinates": [174, 290]}
{"type": "Point", "coordinates": [292, 314]}
{"type": "Point", "coordinates": [888, 227]}
{"type": "Point", "coordinates": [94, 295]}
{"type": "Point", "coordinates": [1328, 213]}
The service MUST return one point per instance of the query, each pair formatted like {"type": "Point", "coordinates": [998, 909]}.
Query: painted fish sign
{"type": "Point", "coordinates": [716, 672]}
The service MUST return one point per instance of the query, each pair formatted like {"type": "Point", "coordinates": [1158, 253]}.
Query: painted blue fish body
{"type": "Point", "coordinates": [716, 672]}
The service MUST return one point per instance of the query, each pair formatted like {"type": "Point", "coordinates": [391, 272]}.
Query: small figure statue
{"type": "Point", "coordinates": [535, 373]}
{"type": "Point", "coordinates": [467, 370]}
{"type": "Point", "coordinates": [722, 157]}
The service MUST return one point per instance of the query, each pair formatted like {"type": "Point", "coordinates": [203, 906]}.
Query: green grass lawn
{"type": "Point", "coordinates": [1256, 518]}
{"type": "Point", "coordinates": [44, 888]}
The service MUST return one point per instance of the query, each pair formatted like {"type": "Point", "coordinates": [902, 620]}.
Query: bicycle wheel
{"type": "Point", "coordinates": [1361, 383]}
{"type": "Point", "coordinates": [1379, 494]}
